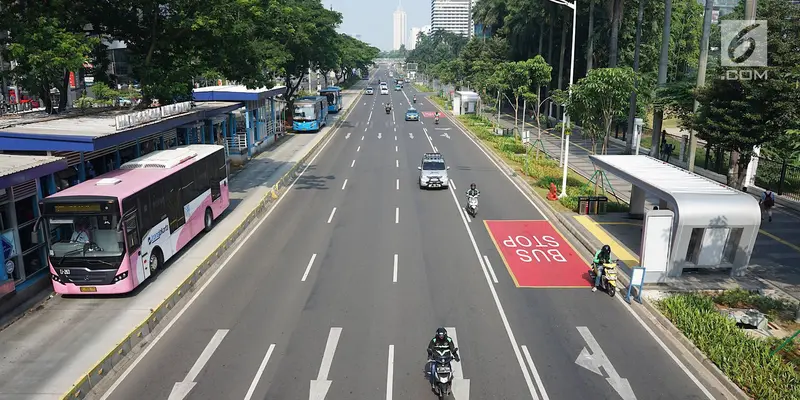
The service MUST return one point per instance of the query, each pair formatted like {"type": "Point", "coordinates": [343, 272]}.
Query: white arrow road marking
{"type": "Point", "coordinates": [321, 385]}
{"type": "Point", "coordinates": [308, 267]}
{"type": "Point", "coordinates": [181, 389]}
{"type": "Point", "coordinates": [347, 136]}
{"type": "Point", "coordinates": [446, 135]}
{"type": "Point", "coordinates": [410, 135]}
{"type": "Point", "coordinates": [379, 135]}
{"type": "Point", "coordinates": [460, 385]}
{"type": "Point", "coordinates": [598, 359]}
{"type": "Point", "coordinates": [260, 372]}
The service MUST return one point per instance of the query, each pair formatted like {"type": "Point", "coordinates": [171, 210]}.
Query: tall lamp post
{"type": "Point", "coordinates": [564, 135]}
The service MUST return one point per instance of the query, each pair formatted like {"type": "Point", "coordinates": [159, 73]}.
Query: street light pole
{"type": "Point", "coordinates": [565, 122]}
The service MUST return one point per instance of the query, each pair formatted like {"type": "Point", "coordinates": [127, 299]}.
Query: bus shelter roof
{"type": "Point", "coordinates": [235, 93]}
{"type": "Point", "coordinates": [96, 131]}
{"type": "Point", "coordinates": [16, 169]}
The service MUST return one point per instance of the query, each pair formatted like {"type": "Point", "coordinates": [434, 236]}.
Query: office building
{"type": "Point", "coordinates": [412, 40]}
{"type": "Point", "coordinates": [400, 30]}
{"type": "Point", "coordinates": [452, 16]}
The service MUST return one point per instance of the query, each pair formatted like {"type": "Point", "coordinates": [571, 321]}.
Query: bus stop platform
{"type": "Point", "coordinates": [63, 346]}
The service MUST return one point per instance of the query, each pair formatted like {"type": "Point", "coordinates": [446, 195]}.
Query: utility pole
{"type": "Point", "coordinates": [658, 113]}
{"type": "Point", "coordinates": [701, 76]}
{"type": "Point", "coordinates": [749, 16]}
{"type": "Point", "coordinates": [632, 112]}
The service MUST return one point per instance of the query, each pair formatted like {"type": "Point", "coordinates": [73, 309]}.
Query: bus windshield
{"type": "Point", "coordinates": [84, 236]}
{"type": "Point", "coordinates": [331, 97]}
{"type": "Point", "coordinates": [304, 112]}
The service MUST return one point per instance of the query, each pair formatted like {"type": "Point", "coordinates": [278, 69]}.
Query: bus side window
{"type": "Point", "coordinates": [201, 181]}
{"type": "Point", "coordinates": [216, 173]}
{"type": "Point", "coordinates": [172, 191]}
{"type": "Point", "coordinates": [158, 204]}
{"type": "Point", "coordinates": [132, 232]}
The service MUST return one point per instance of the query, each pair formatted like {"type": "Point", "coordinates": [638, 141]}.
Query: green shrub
{"type": "Point", "coordinates": [423, 88]}
{"type": "Point", "coordinates": [745, 360]}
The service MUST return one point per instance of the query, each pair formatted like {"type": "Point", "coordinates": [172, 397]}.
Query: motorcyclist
{"type": "Point", "coordinates": [437, 117]}
{"type": "Point", "coordinates": [441, 341]}
{"type": "Point", "coordinates": [415, 98]}
{"type": "Point", "coordinates": [602, 257]}
{"type": "Point", "coordinates": [473, 190]}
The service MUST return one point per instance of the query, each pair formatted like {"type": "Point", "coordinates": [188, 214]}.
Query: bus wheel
{"type": "Point", "coordinates": [156, 259]}
{"type": "Point", "coordinates": [208, 220]}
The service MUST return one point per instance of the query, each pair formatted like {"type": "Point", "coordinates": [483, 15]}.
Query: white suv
{"type": "Point", "coordinates": [384, 89]}
{"type": "Point", "coordinates": [433, 172]}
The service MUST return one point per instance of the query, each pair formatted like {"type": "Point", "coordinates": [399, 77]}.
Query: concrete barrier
{"type": "Point", "coordinates": [93, 377]}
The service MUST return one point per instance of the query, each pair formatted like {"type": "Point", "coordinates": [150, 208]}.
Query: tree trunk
{"type": "Point", "coordinates": [590, 40]}
{"type": "Point", "coordinates": [563, 46]}
{"type": "Point", "coordinates": [658, 114]}
{"type": "Point", "coordinates": [541, 38]}
{"type": "Point", "coordinates": [632, 111]}
{"type": "Point", "coordinates": [64, 98]}
{"type": "Point", "coordinates": [737, 169]}
{"type": "Point", "coordinates": [617, 7]}
{"type": "Point", "coordinates": [549, 59]}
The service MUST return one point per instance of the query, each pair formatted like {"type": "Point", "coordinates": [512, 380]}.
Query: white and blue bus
{"type": "Point", "coordinates": [334, 95]}
{"type": "Point", "coordinates": [310, 113]}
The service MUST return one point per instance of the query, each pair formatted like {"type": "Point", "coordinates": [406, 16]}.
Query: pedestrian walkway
{"type": "Point", "coordinates": [776, 257]}
{"type": "Point", "coordinates": [50, 350]}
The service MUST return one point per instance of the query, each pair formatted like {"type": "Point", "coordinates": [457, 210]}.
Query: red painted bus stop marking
{"type": "Point", "coordinates": [431, 114]}
{"type": "Point", "coordinates": [536, 255]}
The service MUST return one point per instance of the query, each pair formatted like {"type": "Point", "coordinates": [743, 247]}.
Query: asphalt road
{"type": "Point", "coordinates": [357, 259]}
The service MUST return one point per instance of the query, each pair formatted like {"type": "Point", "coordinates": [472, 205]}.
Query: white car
{"type": "Point", "coordinates": [384, 90]}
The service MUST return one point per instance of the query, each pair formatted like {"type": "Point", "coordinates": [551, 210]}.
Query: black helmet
{"type": "Point", "coordinates": [473, 186]}
{"type": "Point", "coordinates": [606, 249]}
{"type": "Point", "coordinates": [441, 333]}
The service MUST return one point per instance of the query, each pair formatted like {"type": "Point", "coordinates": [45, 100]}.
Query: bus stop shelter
{"type": "Point", "coordinates": [250, 130]}
{"type": "Point", "coordinates": [714, 226]}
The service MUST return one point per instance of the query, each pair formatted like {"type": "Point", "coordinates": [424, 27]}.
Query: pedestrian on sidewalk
{"type": "Point", "coordinates": [767, 202]}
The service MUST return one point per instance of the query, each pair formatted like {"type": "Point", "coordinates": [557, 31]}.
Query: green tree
{"type": "Point", "coordinates": [46, 47]}
{"type": "Point", "coordinates": [517, 79]}
{"type": "Point", "coordinates": [599, 98]}
{"type": "Point", "coordinates": [740, 114]}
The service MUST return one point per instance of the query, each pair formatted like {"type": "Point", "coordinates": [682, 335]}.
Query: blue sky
{"type": "Point", "coordinates": [373, 18]}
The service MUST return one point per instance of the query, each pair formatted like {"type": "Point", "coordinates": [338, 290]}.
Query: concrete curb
{"type": "Point", "coordinates": [93, 377]}
{"type": "Point", "coordinates": [587, 243]}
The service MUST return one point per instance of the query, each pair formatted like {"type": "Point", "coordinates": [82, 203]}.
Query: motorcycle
{"type": "Point", "coordinates": [388, 109]}
{"type": "Point", "coordinates": [472, 206]}
{"type": "Point", "coordinates": [415, 99]}
{"type": "Point", "coordinates": [608, 282]}
{"type": "Point", "coordinates": [436, 120]}
{"type": "Point", "coordinates": [442, 372]}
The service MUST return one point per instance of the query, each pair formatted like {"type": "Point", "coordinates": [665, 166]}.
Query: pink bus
{"type": "Point", "coordinates": [108, 234]}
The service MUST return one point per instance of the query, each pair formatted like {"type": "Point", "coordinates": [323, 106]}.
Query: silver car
{"type": "Point", "coordinates": [433, 172]}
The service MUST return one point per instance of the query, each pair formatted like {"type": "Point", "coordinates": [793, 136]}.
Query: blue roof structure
{"type": "Point", "coordinates": [92, 132]}
{"type": "Point", "coordinates": [16, 169]}
{"type": "Point", "coordinates": [235, 93]}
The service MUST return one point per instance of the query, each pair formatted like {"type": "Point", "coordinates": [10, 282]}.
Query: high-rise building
{"type": "Point", "coordinates": [412, 40]}
{"type": "Point", "coordinates": [452, 16]}
{"type": "Point", "coordinates": [400, 30]}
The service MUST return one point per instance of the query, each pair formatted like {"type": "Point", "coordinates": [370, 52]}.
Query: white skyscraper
{"type": "Point", "coordinates": [400, 30]}
{"type": "Point", "coordinates": [452, 16]}
{"type": "Point", "coordinates": [412, 40]}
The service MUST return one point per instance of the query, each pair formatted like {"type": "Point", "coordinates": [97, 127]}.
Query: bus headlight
{"type": "Point", "coordinates": [120, 277]}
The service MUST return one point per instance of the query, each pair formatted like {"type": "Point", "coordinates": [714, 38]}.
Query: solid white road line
{"type": "Point", "coordinates": [359, 148]}
{"type": "Point", "coordinates": [453, 184]}
{"type": "Point", "coordinates": [260, 372]}
{"type": "Point", "coordinates": [332, 213]}
{"type": "Point", "coordinates": [308, 267]}
{"type": "Point", "coordinates": [397, 215]}
{"type": "Point", "coordinates": [222, 266]}
{"type": "Point", "coordinates": [390, 373]}
{"type": "Point", "coordinates": [352, 163]}
{"type": "Point", "coordinates": [458, 372]}
{"type": "Point", "coordinates": [397, 184]}
{"type": "Point", "coordinates": [465, 214]}
{"type": "Point", "coordinates": [394, 271]}
{"type": "Point", "coordinates": [500, 309]}
{"type": "Point", "coordinates": [539, 382]}
{"type": "Point", "coordinates": [344, 184]}
{"type": "Point", "coordinates": [491, 270]}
